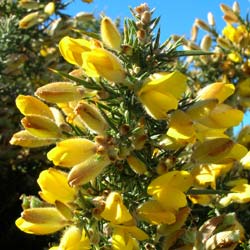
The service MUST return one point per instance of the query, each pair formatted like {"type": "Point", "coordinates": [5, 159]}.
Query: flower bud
{"type": "Point", "coordinates": [49, 8]}
{"type": "Point", "coordinates": [206, 43]}
{"type": "Point", "coordinates": [41, 126]}
{"type": "Point", "coordinates": [203, 25]}
{"type": "Point", "coordinates": [136, 165]}
{"type": "Point", "coordinates": [194, 33]}
{"type": "Point", "coordinates": [25, 139]}
{"type": "Point", "coordinates": [84, 17]}
{"type": "Point", "coordinates": [236, 7]}
{"type": "Point", "coordinates": [91, 117]}
{"type": "Point", "coordinates": [146, 17]}
{"type": "Point", "coordinates": [229, 16]}
{"type": "Point", "coordinates": [224, 43]}
{"type": "Point", "coordinates": [29, 20]}
{"type": "Point", "coordinates": [59, 92]}
{"type": "Point", "coordinates": [111, 36]}
{"type": "Point", "coordinates": [87, 170]}
{"type": "Point", "coordinates": [28, 4]}
{"type": "Point", "coordinates": [210, 19]}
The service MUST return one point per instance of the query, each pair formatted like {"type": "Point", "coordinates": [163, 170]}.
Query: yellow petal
{"type": "Point", "coordinates": [101, 62]}
{"type": "Point", "coordinates": [171, 198]}
{"type": "Point", "coordinates": [41, 126]}
{"type": "Point", "coordinates": [136, 165]}
{"type": "Point", "coordinates": [54, 186]}
{"type": "Point", "coordinates": [180, 126]}
{"type": "Point", "coordinates": [115, 211]}
{"type": "Point", "coordinates": [25, 139]}
{"type": "Point", "coordinates": [181, 180]}
{"type": "Point", "coordinates": [29, 105]}
{"type": "Point", "coordinates": [65, 155]}
{"type": "Point", "coordinates": [71, 49]}
{"type": "Point", "coordinates": [218, 90]}
{"type": "Point", "coordinates": [157, 104]}
{"type": "Point", "coordinates": [154, 213]}
{"type": "Point", "coordinates": [44, 220]}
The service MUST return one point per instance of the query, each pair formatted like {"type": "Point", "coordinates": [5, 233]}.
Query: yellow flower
{"type": "Point", "coordinates": [234, 57]}
{"type": "Point", "coordinates": [60, 92]}
{"type": "Point", "coordinates": [100, 62]}
{"type": "Point", "coordinates": [218, 151]}
{"type": "Point", "coordinates": [25, 139]}
{"type": "Point", "coordinates": [125, 237]}
{"type": "Point", "coordinates": [218, 90]}
{"type": "Point", "coordinates": [160, 93]}
{"type": "Point", "coordinates": [181, 126]}
{"type": "Point", "coordinates": [75, 239]}
{"type": "Point", "coordinates": [54, 187]}
{"type": "Point", "coordinates": [29, 105]}
{"type": "Point", "coordinates": [41, 126]}
{"type": "Point", "coordinates": [66, 155]}
{"type": "Point", "coordinates": [153, 212]}
{"type": "Point", "coordinates": [111, 36]}
{"type": "Point", "coordinates": [87, 170]}
{"type": "Point", "coordinates": [235, 35]}
{"type": "Point", "coordinates": [71, 49]}
{"type": "Point", "coordinates": [168, 189]}
{"type": "Point", "coordinates": [45, 220]}
{"type": "Point", "coordinates": [239, 194]}
{"type": "Point", "coordinates": [115, 211]}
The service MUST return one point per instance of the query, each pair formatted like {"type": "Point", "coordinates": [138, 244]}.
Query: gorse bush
{"type": "Point", "coordinates": [141, 139]}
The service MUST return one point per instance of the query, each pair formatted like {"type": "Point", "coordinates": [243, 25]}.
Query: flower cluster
{"type": "Point", "coordinates": [137, 147]}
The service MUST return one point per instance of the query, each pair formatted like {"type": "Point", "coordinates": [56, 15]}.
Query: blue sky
{"type": "Point", "coordinates": [177, 16]}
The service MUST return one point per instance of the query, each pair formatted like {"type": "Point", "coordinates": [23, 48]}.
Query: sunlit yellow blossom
{"type": "Point", "coordinates": [71, 49]}
{"type": "Point", "coordinates": [153, 212]}
{"type": "Point", "coordinates": [160, 93]}
{"type": "Point", "coordinates": [218, 90]}
{"type": "Point", "coordinates": [218, 151]}
{"type": "Point", "coordinates": [201, 199]}
{"type": "Point", "coordinates": [125, 237]}
{"type": "Point", "coordinates": [115, 211]}
{"type": "Point", "coordinates": [181, 126]}
{"type": "Point", "coordinates": [41, 126]}
{"type": "Point", "coordinates": [60, 92]}
{"type": "Point", "coordinates": [102, 63]}
{"type": "Point", "coordinates": [87, 170]}
{"type": "Point", "coordinates": [29, 105]}
{"type": "Point", "coordinates": [234, 57]}
{"type": "Point", "coordinates": [239, 194]}
{"type": "Point", "coordinates": [44, 220]}
{"type": "Point", "coordinates": [54, 186]}
{"type": "Point", "coordinates": [73, 239]}
{"type": "Point", "coordinates": [111, 36]}
{"type": "Point", "coordinates": [235, 35]}
{"type": "Point", "coordinates": [231, 117]}
{"type": "Point", "coordinates": [25, 139]}
{"type": "Point", "coordinates": [168, 189]}
{"type": "Point", "coordinates": [66, 155]}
